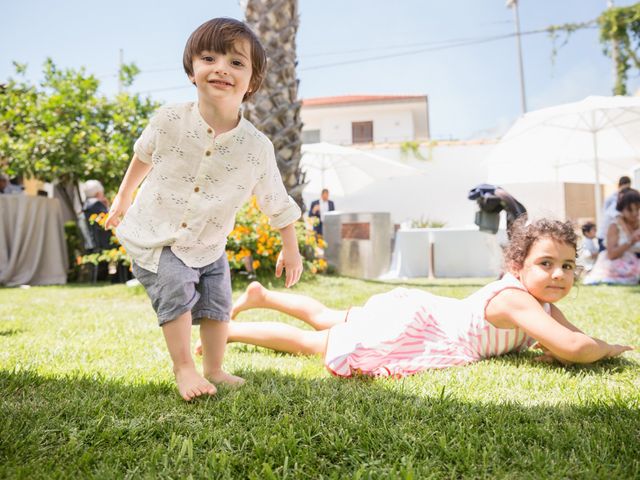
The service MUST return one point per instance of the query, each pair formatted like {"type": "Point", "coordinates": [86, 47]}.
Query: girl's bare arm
{"type": "Point", "coordinates": [564, 341]}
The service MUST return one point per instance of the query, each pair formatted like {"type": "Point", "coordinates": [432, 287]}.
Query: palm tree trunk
{"type": "Point", "coordinates": [275, 108]}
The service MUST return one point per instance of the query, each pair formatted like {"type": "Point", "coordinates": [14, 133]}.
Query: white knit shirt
{"type": "Point", "coordinates": [196, 186]}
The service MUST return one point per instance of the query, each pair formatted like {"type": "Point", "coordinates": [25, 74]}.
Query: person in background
{"type": "Point", "coordinates": [590, 248]}
{"type": "Point", "coordinates": [6, 187]}
{"type": "Point", "coordinates": [609, 212]}
{"type": "Point", "coordinates": [619, 264]}
{"type": "Point", "coordinates": [96, 203]}
{"type": "Point", "coordinates": [4, 183]}
{"type": "Point", "coordinates": [319, 208]}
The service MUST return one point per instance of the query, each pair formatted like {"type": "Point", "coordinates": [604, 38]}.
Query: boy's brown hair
{"type": "Point", "coordinates": [219, 35]}
{"type": "Point", "coordinates": [524, 234]}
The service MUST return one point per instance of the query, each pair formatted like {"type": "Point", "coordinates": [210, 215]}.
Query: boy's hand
{"type": "Point", "coordinates": [291, 261]}
{"type": "Point", "coordinates": [119, 207]}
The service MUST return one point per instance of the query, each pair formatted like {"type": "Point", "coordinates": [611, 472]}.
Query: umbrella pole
{"type": "Point", "coordinates": [596, 168]}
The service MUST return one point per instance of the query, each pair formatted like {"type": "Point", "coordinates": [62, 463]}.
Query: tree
{"type": "Point", "coordinates": [64, 132]}
{"type": "Point", "coordinates": [620, 38]}
{"type": "Point", "coordinates": [620, 34]}
{"type": "Point", "coordinates": [275, 108]}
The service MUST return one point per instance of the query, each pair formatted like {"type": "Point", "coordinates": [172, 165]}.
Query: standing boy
{"type": "Point", "coordinates": [202, 161]}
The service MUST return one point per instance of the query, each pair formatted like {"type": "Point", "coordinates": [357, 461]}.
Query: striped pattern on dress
{"type": "Point", "coordinates": [424, 344]}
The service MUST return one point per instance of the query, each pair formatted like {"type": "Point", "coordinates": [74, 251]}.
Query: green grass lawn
{"type": "Point", "coordinates": [86, 391]}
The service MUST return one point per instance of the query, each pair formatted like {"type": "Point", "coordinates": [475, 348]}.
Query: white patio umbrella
{"type": "Point", "coordinates": [594, 141]}
{"type": "Point", "coordinates": [344, 170]}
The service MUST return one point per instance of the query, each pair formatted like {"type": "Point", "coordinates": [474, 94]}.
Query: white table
{"type": "Point", "coordinates": [33, 250]}
{"type": "Point", "coordinates": [446, 253]}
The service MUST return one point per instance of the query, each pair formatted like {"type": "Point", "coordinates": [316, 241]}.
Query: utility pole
{"type": "Point", "coordinates": [120, 64]}
{"type": "Point", "coordinates": [523, 96]}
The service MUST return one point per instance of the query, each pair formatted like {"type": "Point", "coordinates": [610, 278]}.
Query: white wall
{"type": "Point", "coordinates": [540, 199]}
{"type": "Point", "coordinates": [441, 194]}
{"type": "Point", "coordinates": [394, 122]}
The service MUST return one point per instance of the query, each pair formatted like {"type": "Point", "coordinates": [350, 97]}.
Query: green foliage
{"type": "Point", "coordinates": [620, 32]}
{"type": "Point", "coordinates": [413, 148]}
{"type": "Point", "coordinates": [127, 74]}
{"type": "Point", "coordinates": [620, 38]}
{"type": "Point", "coordinates": [568, 29]}
{"type": "Point", "coordinates": [426, 223]}
{"type": "Point", "coordinates": [64, 131]}
{"type": "Point", "coordinates": [75, 247]}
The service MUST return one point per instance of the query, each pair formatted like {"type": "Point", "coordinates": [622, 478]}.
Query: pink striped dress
{"type": "Point", "coordinates": [405, 331]}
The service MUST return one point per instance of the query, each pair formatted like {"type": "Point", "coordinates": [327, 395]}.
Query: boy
{"type": "Point", "coordinates": [590, 249]}
{"type": "Point", "coordinates": [203, 161]}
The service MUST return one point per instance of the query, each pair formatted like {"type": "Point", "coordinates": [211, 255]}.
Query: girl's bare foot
{"type": "Point", "coordinates": [252, 297]}
{"type": "Point", "coordinates": [220, 376]}
{"type": "Point", "coordinates": [191, 384]}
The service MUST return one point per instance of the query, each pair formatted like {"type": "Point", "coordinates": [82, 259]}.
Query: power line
{"type": "Point", "coordinates": [431, 49]}
{"type": "Point", "coordinates": [388, 47]}
{"type": "Point", "coordinates": [434, 46]}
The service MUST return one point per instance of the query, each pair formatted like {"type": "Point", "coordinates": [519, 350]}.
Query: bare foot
{"type": "Point", "coordinates": [191, 384]}
{"type": "Point", "coordinates": [220, 376]}
{"type": "Point", "coordinates": [251, 298]}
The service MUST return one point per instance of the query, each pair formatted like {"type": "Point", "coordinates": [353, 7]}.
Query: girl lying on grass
{"type": "Point", "coordinates": [405, 331]}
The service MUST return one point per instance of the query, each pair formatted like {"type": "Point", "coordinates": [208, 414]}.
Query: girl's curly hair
{"type": "Point", "coordinates": [524, 234]}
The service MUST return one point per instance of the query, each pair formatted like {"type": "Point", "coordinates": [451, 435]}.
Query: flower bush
{"type": "Point", "coordinates": [252, 246]}
{"type": "Point", "coordinates": [255, 240]}
{"type": "Point", "coordinates": [113, 256]}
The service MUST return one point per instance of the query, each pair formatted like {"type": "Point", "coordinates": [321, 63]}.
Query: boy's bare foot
{"type": "Point", "coordinates": [251, 298]}
{"type": "Point", "coordinates": [191, 384]}
{"type": "Point", "coordinates": [220, 376]}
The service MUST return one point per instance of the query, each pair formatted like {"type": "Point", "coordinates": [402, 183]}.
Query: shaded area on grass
{"type": "Point", "coordinates": [9, 332]}
{"type": "Point", "coordinates": [282, 425]}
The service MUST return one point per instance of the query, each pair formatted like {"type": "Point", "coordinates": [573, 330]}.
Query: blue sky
{"type": "Point", "coordinates": [473, 90]}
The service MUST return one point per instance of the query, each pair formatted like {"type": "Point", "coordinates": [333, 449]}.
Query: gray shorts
{"type": "Point", "coordinates": [177, 288]}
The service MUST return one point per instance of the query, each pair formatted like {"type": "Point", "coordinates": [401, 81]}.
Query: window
{"type": "Point", "coordinates": [362, 132]}
{"type": "Point", "coordinates": [310, 136]}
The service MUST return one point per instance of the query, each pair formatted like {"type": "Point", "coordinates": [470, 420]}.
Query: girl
{"type": "Point", "coordinates": [619, 264]}
{"type": "Point", "coordinates": [406, 331]}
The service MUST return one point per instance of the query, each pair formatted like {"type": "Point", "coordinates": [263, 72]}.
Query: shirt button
{"type": "Point", "coordinates": [197, 189]}
{"type": "Point", "coordinates": [184, 225]}
{"type": "Point", "coordinates": [209, 130]}
{"type": "Point", "coordinates": [207, 153]}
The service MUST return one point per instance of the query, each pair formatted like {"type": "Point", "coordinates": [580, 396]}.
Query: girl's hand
{"type": "Point", "coordinates": [119, 207]}
{"type": "Point", "coordinates": [547, 356]}
{"type": "Point", "coordinates": [616, 350]}
{"type": "Point", "coordinates": [291, 261]}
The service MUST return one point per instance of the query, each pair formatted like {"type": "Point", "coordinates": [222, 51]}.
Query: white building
{"type": "Point", "coordinates": [362, 119]}
{"type": "Point", "coordinates": [383, 124]}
